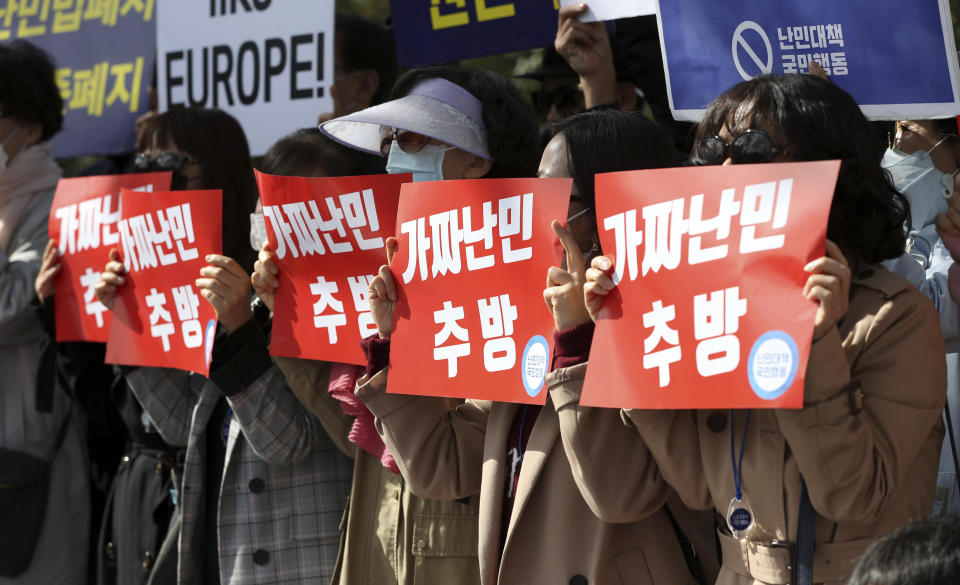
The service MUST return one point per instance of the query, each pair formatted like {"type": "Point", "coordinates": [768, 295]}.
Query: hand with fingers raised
{"type": "Point", "coordinates": [264, 277]}
{"type": "Point", "coordinates": [564, 291]}
{"type": "Point", "coordinates": [599, 284]}
{"type": "Point", "coordinates": [828, 284]}
{"type": "Point", "coordinates": [586, 48]}
{"type": "Point", "coordinates": [49, 268]}
{"type": "Point", "coordinates": [110, 279]}
{"type": "Point", "coordinates": [226, 287]}
{"type": "Point", "coordinates": [382, 293]}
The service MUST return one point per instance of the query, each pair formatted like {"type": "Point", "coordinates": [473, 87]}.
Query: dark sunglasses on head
{"type": "Point", "coordinates": [753, 146]}
{"type": "Point", "coordinates": [166, 161]}
{"type": "Point", "coordinates": [409, 142]}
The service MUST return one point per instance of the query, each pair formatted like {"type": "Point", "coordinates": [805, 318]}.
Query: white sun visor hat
{"type": "Point", "coordinates": [434, 107]}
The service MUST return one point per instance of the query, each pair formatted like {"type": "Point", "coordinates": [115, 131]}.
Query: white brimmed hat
{"type": "Point", "coordinates": [434, 107]}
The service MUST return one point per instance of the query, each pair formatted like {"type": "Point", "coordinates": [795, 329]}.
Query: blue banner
{"type": "Point", "coordinates": [896, 58]}
{"type": "Point", "coordinates": [430, 32]}
{"type": "Point", "coordinates": [103, 51]}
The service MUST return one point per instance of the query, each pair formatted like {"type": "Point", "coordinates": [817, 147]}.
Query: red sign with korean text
{"type": "Point", "coordinates": [470, 271]}
{"type": "Point", "coordinates": [328, 236]}
{"type": "Point", "coordinates": [83, 222]}
{"type": "Point", "coordinates": [159, 317]}
{"type": "Point", "coordinates": [709, 310]}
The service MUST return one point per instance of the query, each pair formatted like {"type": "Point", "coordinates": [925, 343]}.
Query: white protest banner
{"type": "Point", "coordinates": [269, 64]}
{"type": "Point", "coordinates": [613, 9]}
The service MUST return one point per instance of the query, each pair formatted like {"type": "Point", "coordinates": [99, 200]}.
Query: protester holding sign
{"type": "Point", "coordinates": [44, 489]}
{"type": "Point", "coordinates": [249, 503]}
{"type": "Point", "coordinates": [860, 458]}
{"type": "Point", "coordinates": [442, 132]}
{"type": "Point", "coordinates": [534, 526]}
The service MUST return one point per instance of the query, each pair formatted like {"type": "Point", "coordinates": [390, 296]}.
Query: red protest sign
{"type": "Point", "coordinates": [83, 222]}
{"type": "Point", "coordinates": [159, 317]}
{"type": "Point", "coordinates": [328, 235]}
{"type": "Point", "coordinates": [470, 271]}
{"type": "Point", "coordinates": [709, 311]}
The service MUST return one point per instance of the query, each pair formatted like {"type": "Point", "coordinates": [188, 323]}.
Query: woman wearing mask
{"type": "Point", "coordinates": [534, 524]}
{"type": "Point", "coordinates": [860, 458]}
{"type": "Point", "coordinates": [923, 164]}
{"type": "Point", "coordinates": [250, 511]}
{"type": "Point", "coordinates": [44, 490]}
{"type": "Point", "coordinates": [442, 132]}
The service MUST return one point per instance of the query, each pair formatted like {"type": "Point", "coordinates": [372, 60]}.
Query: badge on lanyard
{"type": "Point", "coordinates": [739, 512]}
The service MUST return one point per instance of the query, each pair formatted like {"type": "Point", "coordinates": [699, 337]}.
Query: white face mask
{"type": "Point", "coordinates": [426, 165]}
{"type": "Point", "coordinates": [4, 157]}
{"type": "Point", "coordinates": [258, 231]}
{"type": "Point", "coordinates": [925, 186]}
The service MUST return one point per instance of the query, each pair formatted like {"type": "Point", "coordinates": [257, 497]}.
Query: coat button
{"type": "Point", "coordinates": [717, 422]}
{"type": "Point", "coordinates": [256, 485]}
{"type": "Point", "coordinates": [579, 580]}
{"type": "Point", "coordinates": [147, 561]}
{"type": "Point", "coordinates": [261, 557]}
{"type": "Point", "coordinates": [126, 459]}
{"type": "Point", "coordinates": [111, 551]}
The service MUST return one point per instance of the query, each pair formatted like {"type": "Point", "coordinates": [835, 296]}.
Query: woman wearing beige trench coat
{"type": "Point", "coordinates": [867, 440]}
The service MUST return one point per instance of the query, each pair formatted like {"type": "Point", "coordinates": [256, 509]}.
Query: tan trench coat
{"type": "Point", "coordinates": [868, 454]}
{"type": "Point", "coordinates": [388, 535]}
{"type": "Point", "coordinates": [553, 536]}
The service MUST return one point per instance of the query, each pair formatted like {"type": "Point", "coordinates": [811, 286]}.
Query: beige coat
{"type": "Point", "coordinates": [553, 536]}
{"type": "Point", "coordinates": [389, 536]}
{"type": "Point", "coordinates": [869, 456]}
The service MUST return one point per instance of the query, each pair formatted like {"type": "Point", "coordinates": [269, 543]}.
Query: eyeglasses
{"type": "Point", "coordinates": [409, 142]}
{"type": "Point", "coordinates": [166, 161]}
{"type": "Point", "coordinates": [753, 146]}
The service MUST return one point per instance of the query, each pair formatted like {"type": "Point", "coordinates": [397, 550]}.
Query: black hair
{"type": "Point", "coordinates": [946, 127]}
{"type": "Point", "coordinates": [28, 87]}
{"type": "Point", "coordinates": [819, 121]}
{"type": "Point", "coordinates": [605, 141]}
{"type": "Point", "coordinates": [217, 142]}
{"type": "Point", "coordinates": [925, 552]}
{"type": "Point", "coordinates": [309, 153]}
{"type": "Point", "coordinates": [363, 44]}
{"type": "Point", "coordinates": [512, 138]}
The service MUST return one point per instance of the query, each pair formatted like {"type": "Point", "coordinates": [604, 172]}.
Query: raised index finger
{"type": "Point", "coordinates": [833, 251]}
{"type": "Point", "coordinates": [571, 248]}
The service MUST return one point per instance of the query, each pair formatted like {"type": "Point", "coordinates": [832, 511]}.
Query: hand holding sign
{"type": "Point", "coordinates": [829, 284]}
{"type": "Point", "coordinates": [48, 271]}
{"type": "Point", "coordinates": [598, 285]}
{"type": "Point", "coordinates": [382, 293]}
{"type": "Point", "coordinates": [264, 277]}
{"type": "Point", "coordinates": [564, 292]}
{"type": "Point", "coordinates": [226, 287]}
{"type": "Point", "coordinates": [110, 279]}
{"type": "Point", "coordinates": [585, 46]}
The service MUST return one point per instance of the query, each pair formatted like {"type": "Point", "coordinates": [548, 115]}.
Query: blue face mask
{"type": "Point", "coordinates": [426, 165]}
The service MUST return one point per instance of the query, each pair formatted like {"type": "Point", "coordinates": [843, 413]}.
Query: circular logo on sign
{"type": "Point", "coordinates": [772, 364]}
{"type": "Point", "coordinates": [534, 370]}
{"type": "Point", "coordinates": [208, 340]}
{"type": "Point", "coordinates": [755, 48]}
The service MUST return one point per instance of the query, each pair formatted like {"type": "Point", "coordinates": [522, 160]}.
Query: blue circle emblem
{"type": "Point", "coordinates": [533, 369]}
{"type": "Point", "coordinates": [772, 365]}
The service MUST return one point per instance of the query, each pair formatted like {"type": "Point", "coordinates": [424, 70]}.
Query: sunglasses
{"type": "Point", "coordinates": [753, 146]}
{"type": "Point", "coordinates": [409, 142]}
{"type": "Point", "coordinates": [166, 161]}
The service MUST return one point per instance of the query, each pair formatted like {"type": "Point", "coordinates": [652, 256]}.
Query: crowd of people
{"type": "Point", "coordinates": [286, 470]}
